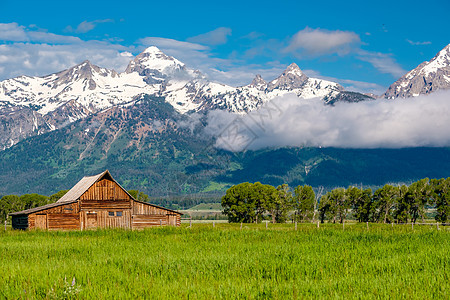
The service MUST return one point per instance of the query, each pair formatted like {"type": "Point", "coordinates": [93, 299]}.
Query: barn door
{"type": "Point", "coordinates": [91, 221]}
{"type": "Point", "coordinates": [172, 220]}
{"type": "Point", "coordinates": [41, 222]}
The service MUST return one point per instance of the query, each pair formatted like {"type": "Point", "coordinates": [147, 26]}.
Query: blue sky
{"type": "Point", "coordinates": [363, 46]}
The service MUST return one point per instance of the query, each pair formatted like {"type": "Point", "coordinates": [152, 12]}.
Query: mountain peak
{"type": "Point", "coordinates": [258, 83]}
{"type": "Point", "coordinates": [293, 68]}
{"type": "Point", "coordinates": [152, 50]}
{"type": "Point", "coordinates": [291, 78]}
{"type": "Point", "coordinates": [427, 77]}
{"type": "Point", "coordinates": [153, 64]}
{"type": "Point", "coordinates": [86, 62]}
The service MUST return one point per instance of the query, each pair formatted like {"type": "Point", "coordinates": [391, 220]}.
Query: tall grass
{"type": "Point", "coordinates": [228, 263]}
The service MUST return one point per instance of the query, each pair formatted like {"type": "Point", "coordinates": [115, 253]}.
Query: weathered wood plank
{"type": "Point", "coordinates": [105, 204]}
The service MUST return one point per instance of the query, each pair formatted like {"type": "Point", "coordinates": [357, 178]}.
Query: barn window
{"type": "Point", "coordinates": [114, 213]}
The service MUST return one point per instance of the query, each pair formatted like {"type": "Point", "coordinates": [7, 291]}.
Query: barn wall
{"type": "Point", "coordinates": [146, 209]}
{"type": "Point", "coordinates": [105, 204]}
{"type": "Point", "coordinates": [63, 217]}
{"type": "Point", "coordinates": [100, 219]}
{"type": "Point", "coordinates": [143, 221]}
{"type": "Point", "coordinates": [105, 189]}
{"type": "Point", "coordinates": [146, 215]}
{"type": "Point", "coordinates": [63, 221]}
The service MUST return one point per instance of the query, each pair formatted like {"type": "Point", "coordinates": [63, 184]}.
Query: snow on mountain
{"type": "Point", "coordinates": [92, 87]}
{"type": "Point", "coordinates": [64, 97]}
{"type": "Point", "coordinates": [429, 76]}
{"type": "Point", "coordinates": [157, 67]}
{"type": "Point", "coordinates": [203, 95]}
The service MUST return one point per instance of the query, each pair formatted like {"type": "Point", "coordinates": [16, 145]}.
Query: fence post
{"type": "Point", "coordinates": [295, 225]}
{"type": "Point", "coordinates": [267, 225]}
{"type": "Point", "coordinates": [367, 223]}
{"type": "Point", "coordinates": [412, 225]}
{"type": "Point", "coordinates": [343, 224]}
{"type": "Point", "coordinates": [5, 223]}
{"type": "Point", "coordinates": [214, 224]}
{"type": "Point", "coordinates": [437, 225]}
{"type": "Point", "coordinates": [190, 222]}
{"type": "Point", "coordinates": [241, 225]}
{"type": "Point", "coordinates": [318, 224]}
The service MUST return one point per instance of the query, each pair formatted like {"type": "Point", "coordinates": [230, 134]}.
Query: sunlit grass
{"type": "Point", "coordinates": [228, 262]}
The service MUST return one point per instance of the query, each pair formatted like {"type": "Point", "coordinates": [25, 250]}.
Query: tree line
{"type": "Point", "coordinates": [254, 202]}
{"type": "Point", "coordinates": [13, 203]}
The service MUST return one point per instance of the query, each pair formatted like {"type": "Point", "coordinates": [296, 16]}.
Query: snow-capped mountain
{"type": "Point", "coordinates": [92, 87]}
{"type": "Point", "coordinates": [429, 76]}
{"type": "Point", "coordinates": [34, 105]}
{"type": "Point", "coordinates": [204, 95]}
{"type": "Point", "coordinates": [157, 67]}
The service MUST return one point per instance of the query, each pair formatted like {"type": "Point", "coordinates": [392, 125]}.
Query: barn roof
{"type": "Point", "coordinates": [81, 187]}
{"type": "Point", "coordinates": [36, 209]}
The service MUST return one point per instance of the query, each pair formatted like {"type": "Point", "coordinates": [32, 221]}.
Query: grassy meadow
{"type": "Point", "coordinates": [227, 262]}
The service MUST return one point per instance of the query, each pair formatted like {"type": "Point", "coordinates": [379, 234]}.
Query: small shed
{"type": "Point", "coordinates": [95, 202]}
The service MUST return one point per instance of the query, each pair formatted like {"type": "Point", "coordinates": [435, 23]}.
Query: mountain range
{"type": "Point", "coordinates": [35, 105]}
{"type": "Point", "coordinates": [58, 128]}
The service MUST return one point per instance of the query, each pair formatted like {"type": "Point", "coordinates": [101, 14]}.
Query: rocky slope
{"type": "Point", "coordinates": [428, 77]}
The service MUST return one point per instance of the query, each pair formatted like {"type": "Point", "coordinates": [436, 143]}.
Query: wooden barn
{"type": "Point", "coordinates": [95, 202]}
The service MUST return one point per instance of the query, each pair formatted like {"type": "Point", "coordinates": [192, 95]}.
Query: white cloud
{"type": "Point", "coordinates": [171, 44]}
{"type": "Point", "coordinates": [34, 52]}
{"type": "Point", "coordinates": [316, 42]}
{"type": "Point", "coordinates": [418, 43]}
{"type": "Point", "coordinates": [12, 32]}
{"type": "Point", "coordinates": [290, 121]}
{"type": "Point", "coordinates": [384, 63]}
{"type": "Point", "coordinates": [42, 59]}
{"type": "Point", "coordinates": [87, 26]}
{"type": "Point", "coordinates": [217, 36]}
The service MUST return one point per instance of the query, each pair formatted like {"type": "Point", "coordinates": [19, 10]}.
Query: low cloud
{"type": "Point", "coordinates": [315, 42]}
{"type": "Point", "coordinates": [289, 121]}
{"type": "Point", "coordinates": [217, 36]}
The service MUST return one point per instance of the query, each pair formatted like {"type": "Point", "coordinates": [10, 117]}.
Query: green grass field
{"type": "Point", "coordinates": [226, 262]}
